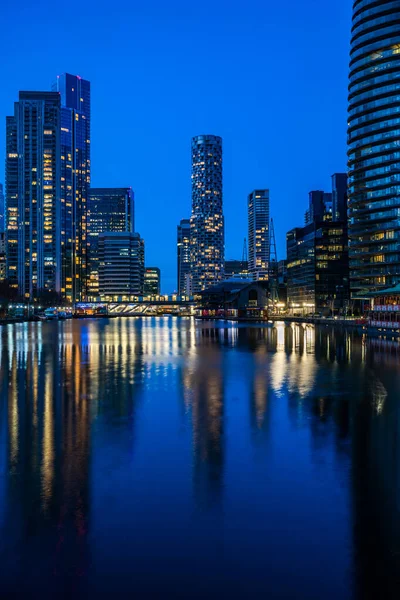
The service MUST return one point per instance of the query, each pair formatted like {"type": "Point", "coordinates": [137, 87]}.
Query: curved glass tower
{"type": "Point", "coordinates": [207, 242]}
{"type": "Point", "coordinates": [374, 145]}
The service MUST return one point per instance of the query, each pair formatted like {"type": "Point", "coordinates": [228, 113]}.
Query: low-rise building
{"type": "Point", "coordinates": [121, 265]}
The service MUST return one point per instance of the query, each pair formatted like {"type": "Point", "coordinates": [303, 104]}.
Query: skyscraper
{"type": "Point", "coordinates": [33, 194]}
{"type": "Point", "coordinates": [207, 243]}
{"type": "Point", "coordinates": [374, 145]}
{"type": "Point", "coordinates": [75, 183]}
{"type": "Point", "coordinates": [152, 281]}
{"type": "Point", "coordinates": [183, 250]}
{"type": "Point", "coordinates": [109, 210]}
{"type": "Point", "coordinates": [258, 223]}
{"type": "Point", "coordinates": [2, 208]}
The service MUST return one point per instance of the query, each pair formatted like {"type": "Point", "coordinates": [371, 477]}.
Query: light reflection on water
{"type": "Point", "coordinates": [167, 457]}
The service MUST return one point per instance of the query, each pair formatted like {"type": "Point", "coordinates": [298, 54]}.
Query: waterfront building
{"type": "Point", "coordinates": [258, 226]}
{"type": "Point", "coordinates": [183, 254]}
{"type": "Point", "coordinates": [207, 238]}
{"type": "Point", "coordinates": [152, 281]}
{"type": "Point", "coordinates": [121, 265]}
{"type": "Point", "coordinates": [317, 265]}
{"type": "Point", "coordinates": [237, 269]}
{"type": "Point", "coordinates": [75, 183]}
{"type": "Point", "coordinates": [109, 210]}
{"type": "Point", "coordinates": [2, 208]}
{"type": "Point", "coordinates": [374, 146]}
{"type": "Point", "coordinates": [339, 196]}
{"type": "Point", "coordinates": [33, 194]}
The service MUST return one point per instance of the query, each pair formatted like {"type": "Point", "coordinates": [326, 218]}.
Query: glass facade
{"type": "Point", "coordinates": [75, 183]}
{"type": "Point", "coordinates": [258, 224]}
{"type": "Point", "coordinates": [152, 281]}
{"type": "Point", "coordinates": [2, 209]}
{"type": "Point", "coordinates": [374, 145]}
{"type": "Point", "coordinates": [121, 266]}
{"type": "Point", "coordinates": [109, 209]}
{"type": "Point", "coordinates": [183, 248]}
{"type": "Point", "coordinates": [33, 194]}
{"type": "Point", "coordinates": [207, 243]}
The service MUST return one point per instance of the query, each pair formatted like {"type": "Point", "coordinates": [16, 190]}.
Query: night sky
{"type": "Point", "coordinates": [269, 77]}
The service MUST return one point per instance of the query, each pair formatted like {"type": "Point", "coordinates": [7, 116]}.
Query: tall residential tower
{"type": "Point", "coordinates": [33, 177]}
{"type": "Point", "coordinates": [207, 243]}
{"type": "Point", "coordinates": [374, 145]}
{"type": "Point", "coordinates": [75, 183]}
{"type": "Point", "coordinates": [258, 222]}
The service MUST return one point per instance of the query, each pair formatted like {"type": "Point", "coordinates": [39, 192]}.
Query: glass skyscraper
{"type": "Point", "coordinates": [207, 243]}
{"type": "Point", "coordinates": [183, 248]}
{"type": "Point", "coordinates": [33, 194]}
{"type": "Point", "coordinates": [109, 210]}
{"type": "Point", "coordinates": [75, 183]}
{"type": "Point", "coordinates": [2, 208]}
{"type": "Point", "coordinates": [258, 223]}
{"type": "Point", "coordinates": [374, 145]}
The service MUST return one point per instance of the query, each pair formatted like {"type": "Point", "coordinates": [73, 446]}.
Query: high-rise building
{"type": "Point", "coordinates": [339, 196]}
{"type": "Point", "coordinates": [152, 281]}
{"type": "Point", "coordinates": [183, 248]}
{"type": "Point", "coordinates": [33, 177]}
{"type": "Point", "coordinates": [374, 146]}
{"type": "Point", "coordinates": [109, 210]}
{"type": "Point", "coordinates": [75, 183]}
{"type": "Point", "coordinates": [207, 241]}
{"type": "Point", "coordinates": [258, 223]}
{"type": "Point", "coordinates": [3, 263]}
{"type": "Point", "coordinates": [2, 208]}
{"type": "Point", "coordinates": [121, 265]}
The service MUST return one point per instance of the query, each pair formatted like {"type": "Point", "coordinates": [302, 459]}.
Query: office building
{"type": "Point", "coordinates": [121, 265]}
{"type": "Point", "coordinates": [33, 177]}
{"type": "Point", "coordinates": [317, 269]}
{"type": "Point", "coordinates": [374, 146]}
{"type": "Point", "coordinates": [258, 224]}
{"type": "Point", "coordinates": [75, 183]}
{"type": "Point", "coordinates": [152, 281]}
{"type": "Point", "coordinates": [237, 269]}
{"type": "Point", "coordinates": [207, 241]}
{"type": "Point", "coordinates": [183, 253]}
{"type": "Point", "coordinates": [339, 196]}
{"type": "Point", "coordinates": [2, 208]}
{"type": "Point", "coordinates": [109, 210]}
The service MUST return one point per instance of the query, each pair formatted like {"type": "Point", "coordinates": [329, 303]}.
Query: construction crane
{"type": "Point", "coordinates": [273, 265]}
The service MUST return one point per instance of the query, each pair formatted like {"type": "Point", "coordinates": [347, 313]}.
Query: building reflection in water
{"type": "Point", "coordinates": [59, 381]}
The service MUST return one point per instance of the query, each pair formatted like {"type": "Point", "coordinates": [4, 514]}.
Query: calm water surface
{"type": "Point", "coordinates": [160, 458]}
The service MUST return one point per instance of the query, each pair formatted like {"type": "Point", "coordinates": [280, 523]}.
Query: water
{"type": "Point", "coordinates": [160, 458]}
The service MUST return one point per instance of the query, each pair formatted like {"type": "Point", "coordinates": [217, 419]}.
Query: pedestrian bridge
{"type": "Point", "coordinates": [138, 305]}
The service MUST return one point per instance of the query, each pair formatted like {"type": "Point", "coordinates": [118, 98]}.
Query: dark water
{"type": "Point", "coordinates": [162, 459]}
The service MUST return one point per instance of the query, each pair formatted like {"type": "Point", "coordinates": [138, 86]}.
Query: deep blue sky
{"type": "Point", "coordinates": [269, 77]}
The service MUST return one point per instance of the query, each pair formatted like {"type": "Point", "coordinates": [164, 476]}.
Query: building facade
{"type": "Point", "coordinates": [374, 146]}
{"type": "Point", "coordinates": [317, 267]}
{"type": "Point", "coordinates": [75, 183]}
{"type": "Point", "coordinates": [320, 206]}
{"type": "Point", "coordinates": [258, 225]}
{"type": "Point", "coordinates": [33, 194]}
{"type": "Point", "coordinates": [207, 237]}
{"type": "Point", "coordinates": [121, 265]}
{"type": "Point", "coordinates": [339, 196]}
{"type": "Point", "coordinates": [237, 269]}
{"type": "Point", "coordinates": [3, 262]}
{"type": "Point", "coordinates": [183, 256]}
{"type": "Point", "coordinates": [2, 208]}
{"type": "Point", "coordinates": [152, 281]}
{"type": "Point", "coordinates": [109, 210]}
